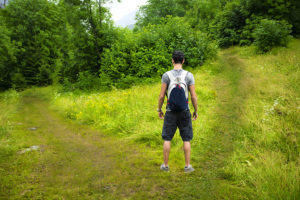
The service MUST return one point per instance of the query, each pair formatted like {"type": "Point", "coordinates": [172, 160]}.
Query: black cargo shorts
{"type": "Point", "coordinates": [182, 120]}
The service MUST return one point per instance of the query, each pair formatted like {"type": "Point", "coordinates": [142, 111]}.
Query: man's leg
{"type": "Point", "coordinates": [167, 148]}
{"type": "Point", "coordinates": [186, 133]}
{"type": "Point", "coordinates": [187, 152]}
{"type": "Point", "coordinates": [169, 129]}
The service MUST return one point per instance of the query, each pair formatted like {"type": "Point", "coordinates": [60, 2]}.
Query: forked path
{"type": "Point", "coordinates": [77, 162]}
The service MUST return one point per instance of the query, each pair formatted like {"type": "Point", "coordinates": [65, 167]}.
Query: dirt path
{"type": "Point", "coordinates": [232, 86]}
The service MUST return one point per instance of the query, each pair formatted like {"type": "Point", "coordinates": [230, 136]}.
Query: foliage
{"type": "Point", "coordinates": [71, 41]}
{"type": "Point", "coordinates": [202, 13]}
{"type": "Point", "coordinates": [232, 22]}
{"type": "Point", "coordinates": [147, 54]}
{"type": "Point", "coordinates": [35, 26]}
{"type": "Point", "coordinates": [154, 10]}
{"type": "Point", "coordinates": [88, 82]}
{"type": "Point", "coordinates": [7, 56]}
{"type": "Point", "coordinates": [271, 33]}
{"type": "Point", "coordinates": [288, 10]}
{"type": "Point", "coordinates": [88, 31]}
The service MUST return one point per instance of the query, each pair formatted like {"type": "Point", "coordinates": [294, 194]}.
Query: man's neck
{"type": "Point", "coordinates": [177, 66]}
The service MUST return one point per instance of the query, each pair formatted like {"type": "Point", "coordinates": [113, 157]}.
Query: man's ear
{"type": "Point", "coordinates": [173, 61]}
{"type": "Point", "coordinates": [183, 61]}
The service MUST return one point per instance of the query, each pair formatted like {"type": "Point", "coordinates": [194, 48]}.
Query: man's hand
{"type": "Point", "coordinates": [161, 114]}
{"type": "Point", "coordinates": [194, 101]}
{"type": "Point", "coordinates": [195, 115]}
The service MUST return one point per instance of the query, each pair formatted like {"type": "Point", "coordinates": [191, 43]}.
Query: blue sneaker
{"type": "Point", "coordinates": [164, 168]}
{"type": "Point", "coordinates": [188, 169]}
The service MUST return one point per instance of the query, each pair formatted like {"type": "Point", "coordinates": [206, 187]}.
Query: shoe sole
{"type": "Point", "coordinates": [189, 171]}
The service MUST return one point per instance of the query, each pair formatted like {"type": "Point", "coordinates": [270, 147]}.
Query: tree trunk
{"type": "Point", "coordinates": [100, 12]}
{"type": "Point", "coordinates": [94, 30]}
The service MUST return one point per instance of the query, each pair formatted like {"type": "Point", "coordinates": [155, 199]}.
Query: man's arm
{"type": "Point", "coordinates": [161, 99]}
{"type": "Point", "coordinates": [194, 101]}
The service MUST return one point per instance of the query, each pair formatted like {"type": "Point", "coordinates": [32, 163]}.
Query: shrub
{"type": "Point", "coordinates": [18, 81]}
{"type": "Point", "coordinates": [271, 33]}
{"type": "Point", "coordinates": [7, 56]}
{"type": "Point", "coordinates": [146, 54]}
{"type": "Point", "coordinates": [87, 82]}
{"type": "Point", "coordinates": [227, 26]}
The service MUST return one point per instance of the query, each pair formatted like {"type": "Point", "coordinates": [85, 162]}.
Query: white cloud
{"type": "Point", "coordinates": [119, 10]}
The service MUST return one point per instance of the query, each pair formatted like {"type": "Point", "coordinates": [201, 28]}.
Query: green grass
{"type": "Point", "coordinates": [266, 156]}
{"type": "Point", "coordinates": [246, 141]}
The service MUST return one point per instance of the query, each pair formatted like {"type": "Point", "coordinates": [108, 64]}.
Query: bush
{"type": "Point", "coordinates": [18, 81]}
{"type": "Point", "coordinates": [271, 33]}
{"type": "Point", "coordinates": [7, 56]}
{"type": "Point", "coordinates": [146, 54]}
{"type": "Point", "coordinates": [87, 82]}
{"type": "Point", "coordinates": [228, 25]}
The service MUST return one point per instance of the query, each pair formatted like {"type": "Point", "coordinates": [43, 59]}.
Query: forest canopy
{"type": "Point", "coordinates": [75, 42]}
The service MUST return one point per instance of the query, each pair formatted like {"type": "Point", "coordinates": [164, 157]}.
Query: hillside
{"type": "Point", "coordinates": [108, 145]}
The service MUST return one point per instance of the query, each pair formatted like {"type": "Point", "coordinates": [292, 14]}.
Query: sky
{"type": "Point", "coordinates": [120, 10]}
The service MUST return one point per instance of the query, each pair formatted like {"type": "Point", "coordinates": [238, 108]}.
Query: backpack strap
{"type": "Point", "coordinates": [173, 82]}
{"type": "Point", "coordinates": [171, 76]}
{"type": "Point", "coordinates": [183, 76]}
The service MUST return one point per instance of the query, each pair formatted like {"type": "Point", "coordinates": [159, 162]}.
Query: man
{"type": "Point", "coordinates": [177, 111]}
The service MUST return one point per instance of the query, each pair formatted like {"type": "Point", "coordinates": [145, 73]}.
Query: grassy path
{"type": "Point", "coordinates": [232, 87]}
{"type": "Point", "coordinates": [77, 162]}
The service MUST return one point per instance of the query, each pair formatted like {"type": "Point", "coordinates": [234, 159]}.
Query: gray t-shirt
{"type": "Point", "coordinates": [189, 79]}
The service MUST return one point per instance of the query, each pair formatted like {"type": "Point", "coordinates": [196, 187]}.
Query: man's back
{"type": "Point", "coordinates": [189, 79]}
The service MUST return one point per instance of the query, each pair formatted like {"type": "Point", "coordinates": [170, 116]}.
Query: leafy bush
{"type": "Point", "coordinates": [87, 82]}
{"type": "Point", "coordinates": [7, 56]}
{"type": "Point", "coordinates": [36, 26]}
{"type": "Point", "coordinates": [228, 25]}
{"type": "Point", "coordinates": [18, 81]}
{"type": "Point", "coordinates": [271, 33]}
{"type": "Point", "coordinates": [146, 54]}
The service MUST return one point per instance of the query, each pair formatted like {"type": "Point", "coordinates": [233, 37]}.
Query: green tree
{"type": "Point", "coordinates": [288, 10]}
{"type": "Point", "coordinates": [203, 12]}
{"type": "Point", "coordinates": [7, 56]}
{"type": "Point", "coordinates": [154, 10]}
{"type": "Point", "coordinates": [228, 25]}
{"type": "Point", "coordinates": [271, 33]}
{"type": "Point", "coordinates": [89, 30]}
{"type": "Point", "coordinates": [36, 25]}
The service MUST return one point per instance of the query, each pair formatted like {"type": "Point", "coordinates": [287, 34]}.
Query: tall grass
{"type": "Point", "coordinates": [130, 114]}
{"type": "Point", "coordinates": [248, 127]}
{"type": "Point", "coordinates": [8, 105]}
{"type": "Point", "coordinates": [266, 158]}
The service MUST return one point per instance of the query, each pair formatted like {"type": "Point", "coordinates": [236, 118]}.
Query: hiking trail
{"type": "Point", "coordinates": [77, 162]}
